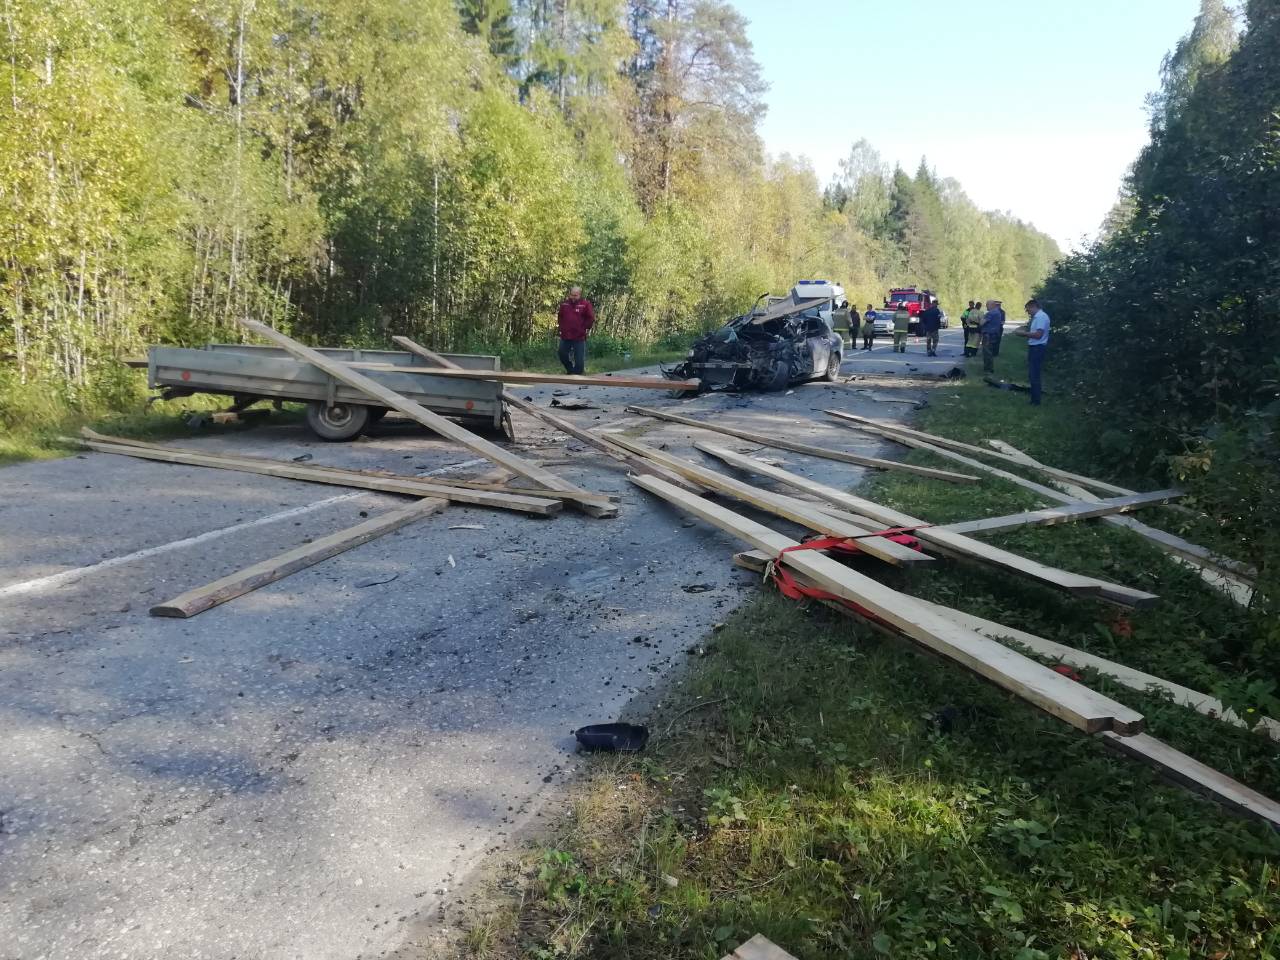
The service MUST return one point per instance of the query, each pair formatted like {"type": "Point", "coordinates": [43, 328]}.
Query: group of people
{"type": "Point", "coordinates": [929, 323]}
{"type": "Point", "coordinates": [983, 325]}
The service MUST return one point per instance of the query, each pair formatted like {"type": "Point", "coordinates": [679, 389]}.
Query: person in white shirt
{"type": "Point", "coordinates": [1037, 333]}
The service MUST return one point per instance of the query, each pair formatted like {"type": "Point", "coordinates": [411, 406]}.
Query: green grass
{"type": "Point", "coordinates": [814, 798]}
{"type": "Point", "coordinates": [46, 437]}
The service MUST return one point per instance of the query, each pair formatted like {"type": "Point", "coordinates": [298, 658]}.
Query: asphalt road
{"type": "Point", "coordinates": [306, 771]}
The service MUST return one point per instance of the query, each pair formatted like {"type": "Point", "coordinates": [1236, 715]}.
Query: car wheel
{"type": "Point", "coordinates": [337, 422]}
{"type": "Point", "coordinates": [833, 368]}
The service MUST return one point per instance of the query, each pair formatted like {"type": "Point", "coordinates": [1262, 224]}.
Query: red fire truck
{"type": "Point", "coordinates": [913, 299]}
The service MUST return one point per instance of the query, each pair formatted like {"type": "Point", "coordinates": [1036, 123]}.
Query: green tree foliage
{"type": "Point", "coordinates": [1173, 317]}
{"type": "Point", "coordinates": [442, 168]}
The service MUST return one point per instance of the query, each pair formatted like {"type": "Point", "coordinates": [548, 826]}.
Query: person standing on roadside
{"type": "Point", "coordinates": [970, 320]}
{"type": "Point", "coordinates": [930, 324]}
{"type": "Point", "coordinates": [991, 330]}
{"type": "Point", "coordinates": [855, 322]}
{"type": "Point", "coordinates": [901, 327]}
{"type": "Point", "coordinates": [1037, 333]}
{"type": "Point", "coordinates": [868, 327]}
{"type": "Point", "coordinates": [575, 319]}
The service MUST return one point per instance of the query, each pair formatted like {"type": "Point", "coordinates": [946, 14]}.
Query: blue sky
{"type": "Point", "coordinates": [1036, 107]}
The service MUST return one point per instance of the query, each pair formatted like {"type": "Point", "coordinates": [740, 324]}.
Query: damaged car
{"type": "Point", "coordinates": [780, 341]}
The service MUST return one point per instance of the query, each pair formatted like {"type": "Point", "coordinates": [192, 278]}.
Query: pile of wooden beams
{"type": "Point", "coordinates": [988, 649]}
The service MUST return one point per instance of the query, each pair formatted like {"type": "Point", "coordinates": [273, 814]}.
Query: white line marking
{"type": "Point", "coordinates": [70, 576]}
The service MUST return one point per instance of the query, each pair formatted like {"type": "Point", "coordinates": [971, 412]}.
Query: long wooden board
{"type": "Point", "coordinates": [269, 571]}
{"type": "Point", "coordinates": [1067, 513]}
{"type": "Point", "coordinates": [1135, 679]}
{"type": "Point", "coordinates": [952, 544]}
{"type": "Point", "coordinates": [1196, 776]}
{"type": "Point", "coordinates": [1108, 488]}
{"type": "Point", "coordinates": [445, 427]}
{"type": "Point", "coordinates": [1185, 770]}
{"type": "Point", "coordinates": [1229, 575]}
{"type": "Point", "coordinates": [433, 487]}
{"type": "Point", "coordinates": [782, 443]}
{"type": "Point", "coordinates": [1037, 684]}
{"type": "Point", "coordinates": [407, 486]}
{"type": "Point", "coordinates": [789, 508]}
{"type": "Point", "coordinates": [529, 377]}
{"type": "Point", "coordinates": [639, 464]}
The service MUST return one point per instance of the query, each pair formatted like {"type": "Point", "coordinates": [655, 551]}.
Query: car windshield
{"type": "Point", "coordinates": [904, 298]}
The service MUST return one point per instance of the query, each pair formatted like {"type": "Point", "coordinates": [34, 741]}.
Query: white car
{"type": "Point", "coordinates": [883, 322]}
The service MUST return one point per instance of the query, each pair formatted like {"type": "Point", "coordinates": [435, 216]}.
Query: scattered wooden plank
{"type": "Point", "coordinates": [1229, 570]}
{"type": "Point", "coordinates": [1196, 776]}
{"type": "Point", "coordinates": [639, 464]}
{"type": "Point", "coordinates": [407, 486]}
{"type": "Point", "coordinates": [1066, 513]}
{"type": "Point", "coordinates": [1128, 676]}
{"type": "Point", "coordinates": [433, 421]}
{"type": "Point", "coordinates": [528, 376]}
{"type": "Point", "coordinates": [269, 571]}
{"type": "Point", "coordinates": [1050, 691]}
{"type": "Point", "coordinates": [1181, 768]}
{"type": "Point", "coordinates": [951, 544]}
{"type": "Point", "coordinates": [758, 948]}
{"type": "Point", "coordinates": [1108, 488]}
{"type": "Point", "coordinates": [789, 508]}
{"type": "Point", "coordinates": [827, 454]}
{"type": "Point", "coordinates": [1226, 574]}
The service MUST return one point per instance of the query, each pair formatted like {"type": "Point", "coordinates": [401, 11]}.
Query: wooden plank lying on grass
{"type": "Point", "coordinates": [782, 443]}
{"type": "Point", "coordinates": [406, 486]}
{"type": "Point", "coordinates": [1220, 572]}
{"type": "Point", "coordinates": [1128, 676]}
{"type": "Point", "coordinates": [1050, 691]}
{"type": "Point", "coordinates": [944, 541]}
{"type": "Point", "coordinates": [789, 508]}
{"type": "Point", "coordinates": [269, 571]}
{"type": "Point", "coordinates": [530, 377]}
{"type": "Point", "coordinates": [1108, 488]}
{"type": "Point", "coordinates": [1067, 513]}
{"type": "Point", "coordinates": [1180, 767]}
{"type": "Point", "coordinates": [1196, 776]}
{"type": "Point", "coordinates": [758, 948]}
{"type": "Point", "coordinates": [639, 464]}
{"type": "Point", "coordinates": [1170, 543]}
{"type": "Point", "coordinates": [433, 421]}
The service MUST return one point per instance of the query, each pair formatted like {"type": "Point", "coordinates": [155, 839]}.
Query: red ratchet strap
{"type": "Point", "coordinates": [788, 586]}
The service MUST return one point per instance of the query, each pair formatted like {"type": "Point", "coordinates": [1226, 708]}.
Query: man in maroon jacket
{"type": "Point", "coordinates": [575, 317]}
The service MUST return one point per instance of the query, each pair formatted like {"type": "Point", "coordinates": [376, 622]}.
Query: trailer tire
{"type": "Point", "coordinates": [337, 422]}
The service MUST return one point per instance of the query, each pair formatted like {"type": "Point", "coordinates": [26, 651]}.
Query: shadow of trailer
{"type": "Point", "coordinates": [247, 373]}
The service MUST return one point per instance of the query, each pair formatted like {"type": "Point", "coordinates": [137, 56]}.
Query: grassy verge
{"type": "Point", "coordinates": [850, 797]}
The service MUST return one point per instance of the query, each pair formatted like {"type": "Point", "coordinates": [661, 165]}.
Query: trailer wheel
{"type": "Point", "coordinates": [338, 421]}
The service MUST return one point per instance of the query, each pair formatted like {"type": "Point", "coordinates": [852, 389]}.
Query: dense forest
{"type": "Point", "coordinates": [347, 169]}
{"type": "Point", "coordinates": [1171, 320]}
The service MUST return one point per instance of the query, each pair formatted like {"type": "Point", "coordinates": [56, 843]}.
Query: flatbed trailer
{"type": "Point", "coordinates": [247, 373]}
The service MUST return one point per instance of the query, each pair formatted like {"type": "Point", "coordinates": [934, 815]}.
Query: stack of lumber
{"type": "Point", "coordinates": [988, 649]}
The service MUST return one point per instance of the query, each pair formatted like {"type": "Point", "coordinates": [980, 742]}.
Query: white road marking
{"type": "Point", "coordinates": [70, 576]}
